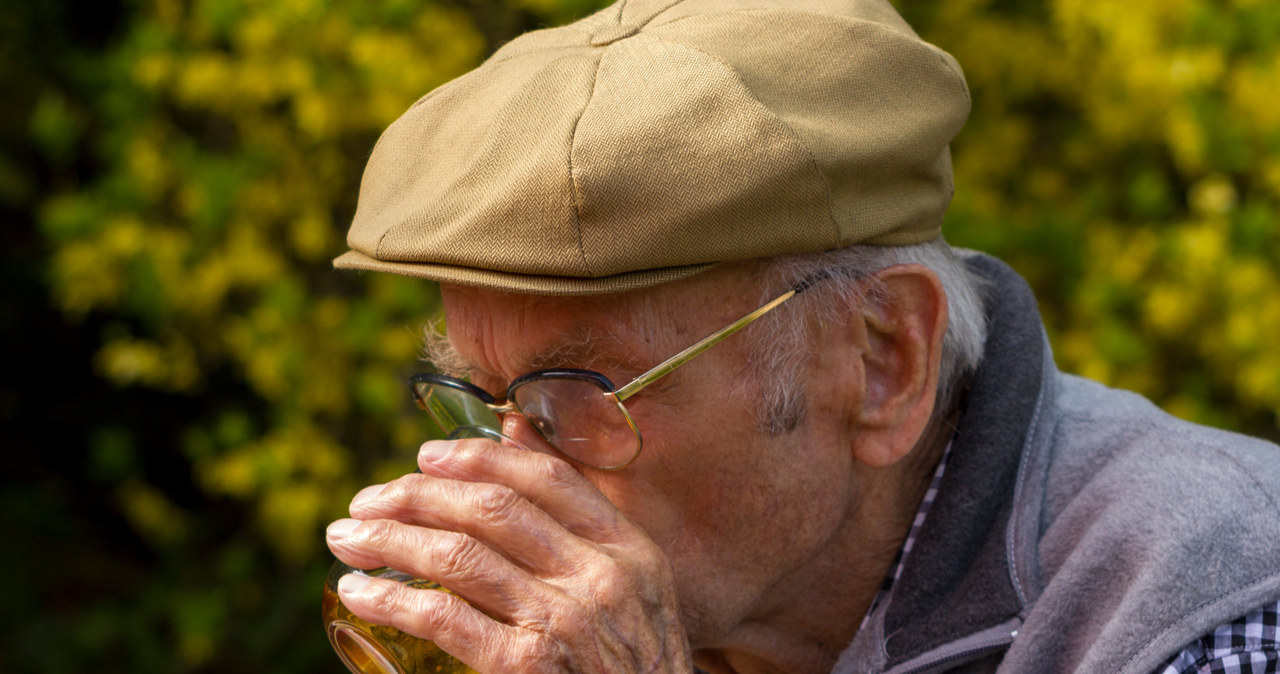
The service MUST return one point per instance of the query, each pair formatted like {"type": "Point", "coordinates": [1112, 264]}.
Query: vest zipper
{"type": "Point", "coordinates": [987, 641]}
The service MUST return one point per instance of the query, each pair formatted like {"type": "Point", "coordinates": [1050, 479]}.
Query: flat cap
{"type": "Point", "coordinates": [657, 138]}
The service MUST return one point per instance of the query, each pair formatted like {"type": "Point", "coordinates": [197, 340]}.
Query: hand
{"type": "Point", "coordinates": [570, 583]}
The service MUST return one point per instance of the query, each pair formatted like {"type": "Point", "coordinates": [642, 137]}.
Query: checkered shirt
{"type": "Point", "coordinates": [1246, 646]}
{"type": "Point", "coordinates": [895, 570]}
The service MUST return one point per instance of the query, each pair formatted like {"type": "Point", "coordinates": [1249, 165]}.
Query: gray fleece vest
{"type": "Point", "coordinates": [1077, 528]}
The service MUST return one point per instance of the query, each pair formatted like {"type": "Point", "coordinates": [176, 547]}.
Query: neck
{"type": "Point", "coordinates": [816, 611]}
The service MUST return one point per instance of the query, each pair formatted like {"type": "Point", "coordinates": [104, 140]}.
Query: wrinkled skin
{"type": "Point", "coordinates": [721, 543]}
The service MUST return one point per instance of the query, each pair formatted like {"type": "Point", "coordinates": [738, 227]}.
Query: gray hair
{"type": "Point", "coordinates": [779, 351]}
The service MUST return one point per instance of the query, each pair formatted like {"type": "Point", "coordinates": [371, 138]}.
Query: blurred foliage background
{"type": "Point", "coordinates": [191, 392]}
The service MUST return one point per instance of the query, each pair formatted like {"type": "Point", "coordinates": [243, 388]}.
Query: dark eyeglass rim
{"type": "Point", "coordinates": [606, 386]}
{"type": "Point", "coordinates": [451, 382]}
{"type": "Point", "coordinates": [601, 382]}
{"type": "Point", "coordinates": [592, 376]}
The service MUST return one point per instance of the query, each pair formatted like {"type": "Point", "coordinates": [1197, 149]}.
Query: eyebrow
{"type": "Point", "coordinates": [440, 353]}
{"type": "Point", "coordinates": [583, 347]}
{"type": "Point", "coordinates": [580, 347]}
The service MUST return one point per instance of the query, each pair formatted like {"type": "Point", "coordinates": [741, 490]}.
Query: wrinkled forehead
{"type": "Point", "coordinates": [506, 334]}
{"type": "Point", "coordinates": [499, 331]}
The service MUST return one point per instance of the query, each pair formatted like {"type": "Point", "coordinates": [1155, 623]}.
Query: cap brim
{"type": "Point", "coordinates": [521, 283]}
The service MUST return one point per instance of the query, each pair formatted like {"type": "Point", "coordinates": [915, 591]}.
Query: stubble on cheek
{"type": "Point", "coordinates": [723, 554]}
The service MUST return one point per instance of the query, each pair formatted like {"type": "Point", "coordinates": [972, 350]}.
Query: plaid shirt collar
{"type": "Point", "coordinates": [895, 569]}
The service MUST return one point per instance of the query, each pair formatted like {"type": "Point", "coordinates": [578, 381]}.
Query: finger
{"type": "Point", "coordinates": [496, 514]}
{"type": "Point", "coordinates": [549, 482]}
{"type": "Point", "coordinates": [434, 615]}
{"type": "Point", "coordinates": [456, 561]}
{"type": "Point", "coordinates": [456, 627]}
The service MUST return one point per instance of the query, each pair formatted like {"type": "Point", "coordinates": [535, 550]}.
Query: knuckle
{"type": "Point", "coordinates": [401, 489]}
{"type": "Point", "coordinates": [469, 449]}
{"type": "Point", "coordinates": [497, 505]}
{"type": "Point", "coordinates": [394, 496]}
{"type": "Point", "coordinates": [654, 566]}
{"type": "Point", "coordinates": [458, 555]}
{"type": "Point", "coordinates": [384, 601]}
{"type": "Point", "coordinates": [379, 597]}
{"type": "Point", "coordinates": [537, 652]}
{"type": "Point", "coordinates": [579, 621]}
{"type": "Point", "coordinates": [612, 582]}
{"type": "Point", "coordinates": [377, 533]}
{"type": "Point", "coordinates": [431, 610]}
{"type": "Point", "coordinates": [555, 474]}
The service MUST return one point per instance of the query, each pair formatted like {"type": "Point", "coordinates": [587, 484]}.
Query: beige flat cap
{"type": "Point", "coordinates": [656, 138]}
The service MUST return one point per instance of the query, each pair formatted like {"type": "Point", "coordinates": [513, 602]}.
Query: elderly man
{"type": "Point", "coordinates": [760, 416]}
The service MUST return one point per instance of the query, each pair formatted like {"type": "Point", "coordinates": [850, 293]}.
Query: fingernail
{"type": "Point", "coordinates": [342, 528]}
{"type": "Point", "coordinates": [435, 450]}
{"type": "Point", "coordinates": [352, 583]}
{"type": "Point", "coordinates": [368, 494]}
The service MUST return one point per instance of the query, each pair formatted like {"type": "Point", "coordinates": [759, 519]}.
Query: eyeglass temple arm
{"type": "Point", "coordinates": [666, 367]}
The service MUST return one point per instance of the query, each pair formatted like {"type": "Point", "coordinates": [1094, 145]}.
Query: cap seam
{"type": "Point", "coordinates": [942, 56]}
{"type": "Point", "coordinates": [777, 10]}
{"type": "Point", "coordinates": [641, 26]}
{"type": "Point", "coordinates": [496, 58]}
{"type": "Point", "coordinates": [573, 176]}
{"type": "Point", "coordinates": [878, 26]}
{"type": "Point", "coordinates": [727, 12]}
{"type": "Point", "coordinates": [947, 62]}
{"type": "Point", "coordinates": [377, 247]}
{"type": "Point", "coordinates": [795, 137]}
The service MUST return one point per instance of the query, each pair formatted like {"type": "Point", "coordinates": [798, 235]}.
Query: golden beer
{"type": "Point", "coordinates": [366, 648]}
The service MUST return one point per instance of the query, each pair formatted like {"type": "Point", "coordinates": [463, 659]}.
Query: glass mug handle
{"type": "Point", "coordinates": [366, 648]}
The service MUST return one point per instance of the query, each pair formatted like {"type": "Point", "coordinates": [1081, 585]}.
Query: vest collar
{"type": "Point", "coordinates": [973, 572]}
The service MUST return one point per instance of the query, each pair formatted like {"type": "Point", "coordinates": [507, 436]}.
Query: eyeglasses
{"type": "Point", "coordinates": [578, 412]}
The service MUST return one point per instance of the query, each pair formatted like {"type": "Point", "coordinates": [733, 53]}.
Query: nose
{"type": "Point", "coordinates": [518, 428]}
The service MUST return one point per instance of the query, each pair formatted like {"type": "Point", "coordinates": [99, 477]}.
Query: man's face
{"type": "Point", "coordinates": [742, 515]}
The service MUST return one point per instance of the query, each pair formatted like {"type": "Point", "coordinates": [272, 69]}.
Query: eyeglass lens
{"type": "Point", "coordinates": [574, 415]}
{"type": "Point", "coordinates": [452, 408]}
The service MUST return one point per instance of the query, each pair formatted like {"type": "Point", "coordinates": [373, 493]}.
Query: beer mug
{"type": "Point", "coordinates": [366, 648]}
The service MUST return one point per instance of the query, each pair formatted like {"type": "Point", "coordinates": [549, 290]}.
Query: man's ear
{"type": "Point", "coordinates": [905, 320]}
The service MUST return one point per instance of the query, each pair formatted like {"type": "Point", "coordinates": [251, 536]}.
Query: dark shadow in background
{"type": "Point", "coordinates": [84, 592]}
